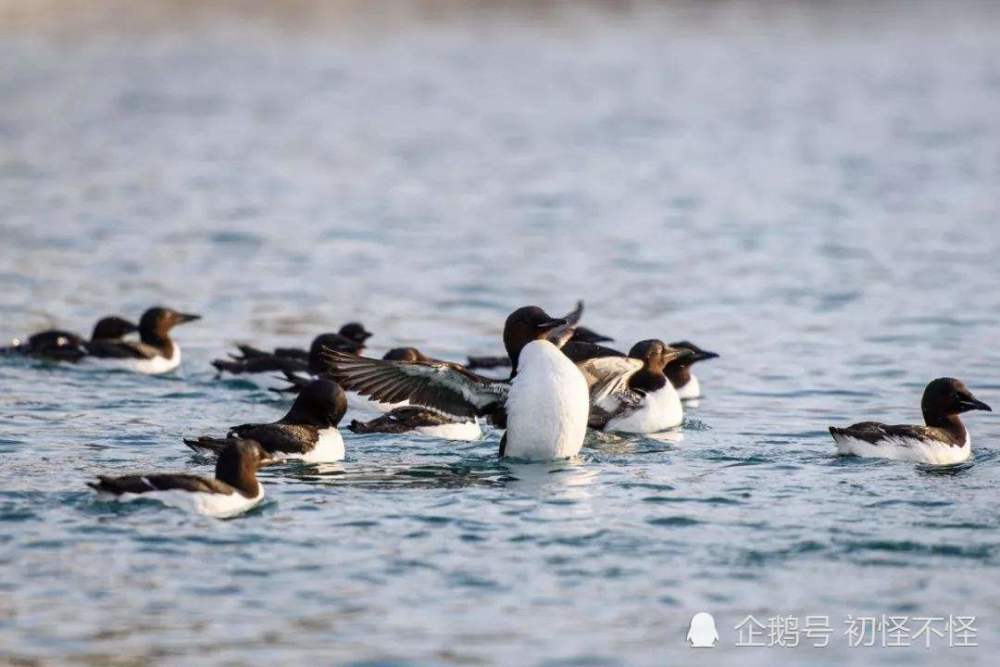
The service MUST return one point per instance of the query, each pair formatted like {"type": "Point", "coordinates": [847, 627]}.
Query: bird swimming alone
{"type": "Point", "coordinates": [60, 345]}
{"type": "Point", "coordinates": [632, 394]}
{"type": "Point", "coordinates": [232, 491]}
{"type": "Point", "coordinates": [307, 433]}
{"type": "Point", "coordinates": [679, 370]}
{"type": "Point", "coordinates": [544, 406]}
{"type": "Point", "coordinates": [943, 440]}
{"type": "Point", "coordinates": [250, 360]}
{"type": "Point", "coordinates": [154, 353]}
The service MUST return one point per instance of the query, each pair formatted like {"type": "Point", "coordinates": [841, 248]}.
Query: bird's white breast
{"type": "Point", "coordinates": [905, 449]}
{"type": "Point", "coordinates": [329, 448]}
{"type": "Point", "coordinates": [469, 430]}
{"type": "Point", "coordinates": [690, 390]}
{"type": "Point", "coordinates": [660, 410]}
{"type": "Point", "coordinates": [547, 406]}
{"type": "Point", "coordinates": [217, 505]}
{"type": "Point", "coordinates": [154, 366]}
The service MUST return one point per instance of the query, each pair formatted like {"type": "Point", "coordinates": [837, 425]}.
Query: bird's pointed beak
{"type": "Point", "coordinates": [704, 355]}
{"type": "Point", "coordinates": [557, 331]}
{"type": "Point", "coordinates": [972, 403]}
{"type": "Point", "coordinates": [187, 317]}
{"type": "Point", "coordinates": [548, 325]}
{"type": "Point", "coordinates": [678, 354]}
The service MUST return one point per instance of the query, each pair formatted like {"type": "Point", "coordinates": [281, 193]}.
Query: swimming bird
{"type": "Point", "coordinates": [543, 407]}
{"type": "Point", "coordinates": [350, 338]}
{"type": "Point", "coordinates": [942, 440]}
{"type": "Point", "coordinates": [679, 370]}
{"type": "Point", "coordinates": [60, 345]}
{"type": "Point", "coordinates": [234, 489]}
{"type": "Point", "coordinates": [632, 394]}
{"type": "Point", "coordinates": [307, 433]}
{"type": "Point", "coordinates": [421, 421]}
{"type": "Point", "coordinates": [154, 353]}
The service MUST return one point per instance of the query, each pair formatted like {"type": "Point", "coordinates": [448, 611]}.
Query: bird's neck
{"type": "Point", "coordinates": [240, 477]}
{"type": "Point", "coordinates": [158, 340]}
{"type": "Point", "coordinates": [679, 375]}
{"type": "Point", "coordinates": [951, 424]}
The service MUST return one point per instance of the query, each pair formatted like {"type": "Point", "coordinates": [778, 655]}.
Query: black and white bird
{"type": "Point", "coordinates": [632, 394]}
{"type": "Point", "coordinates": [943, 439]}
{"type": "Point", "coordinates": [153, 353]}
{"type": "Point", "coordinates": [307, 433]}
{"type": "Point", "coordinates": [60, 345]}
{"type": "Point", "coordinates": [251, 360]}
{"type": "Point", "coordinates": [679, 370]}
{"type": "Point", "coordinates": [234, 489]}
{"type": "Point", "coordinates": [543, 407]}
{"type": "Point", "coordinates": [580, 335]}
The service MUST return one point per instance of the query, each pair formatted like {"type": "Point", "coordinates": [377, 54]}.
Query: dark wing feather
{"type": "Point", "coordinates": [446, 387]}
{"type": "Point", "coordinates": [489, 362]}
{"type": "Point", "coordinates": [295, 384]}
{"type": "Point", "coordinates": [249, 352]}
{"type": "Point", "coordinates": [268, 363]}
{"type": "Point", "coordinates": [287, 438]}
{"type": "Point", "coordinates": [54, 338]}
{"type": "Point", "coordinates": [160, 482]}
{"type": "Point", "coordinates": [124, 349]}
{"type": "Point", "coordinates": [401, 420]}
{"type": "Point", "coordinates": [292, 353]}
{"type": "Point", "coordinates": [875, 433]}
{"type": "Point", "coordinates": [206, 444]}
{"type": "Point", "coordinates": [580, 351]}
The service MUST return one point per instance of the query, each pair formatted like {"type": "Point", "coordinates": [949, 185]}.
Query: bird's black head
{"type": "Point", "coordinates": [333, 341]}
{"type": "Point", "coordinates": [355, 331]}
{"type": "Point", "coordinates": [321, 403]}
{"type": "Point", "coordinates": [238, 464]}
{"type": "Point", "coordinates": [112, 328]}
{"type": "Point", "coordinates": [657, 354]}
{"type": "Point", "coordinates": [585, 335]}
{"type": "Point", "coordinates": [698, 354]}
{"type": "Point", "coordinates": [525, 325]}
{"type": "Point", "coordinates": [945, 397]}
{"type": "Point", "coordinates": [408, 354]}
{"type": "Point", "coordinates": [157, 322]}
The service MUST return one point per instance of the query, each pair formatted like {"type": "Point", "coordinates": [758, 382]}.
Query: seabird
{"type": "Point", "coordinates": [154, 353]}
{"type": "Point", "coordinates": [679, 370]}
{"type": "Point", "coordinates": [942, 440]}
{"type": "Point", "coordinates": [632, 394]}
{"type": "Point", "coordinates": [60, 345]}
{"type": "Point", "coordinates": [307, 433]}
{"type": "Point", "coordinates": [234, 489]}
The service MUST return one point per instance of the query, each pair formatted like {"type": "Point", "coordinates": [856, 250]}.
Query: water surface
{"type": "Point", "coordinates": [810, 191]}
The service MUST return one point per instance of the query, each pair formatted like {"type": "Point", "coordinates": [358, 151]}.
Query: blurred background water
{"type": "Point", "coordinates": [810, 189]}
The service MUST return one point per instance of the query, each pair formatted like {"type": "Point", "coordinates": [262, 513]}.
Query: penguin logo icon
{"type": "Point", "coordinates": [702, 633]}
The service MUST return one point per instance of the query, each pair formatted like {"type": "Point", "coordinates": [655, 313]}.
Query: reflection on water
{"type": "Point", "coordinates": [807, 188]}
